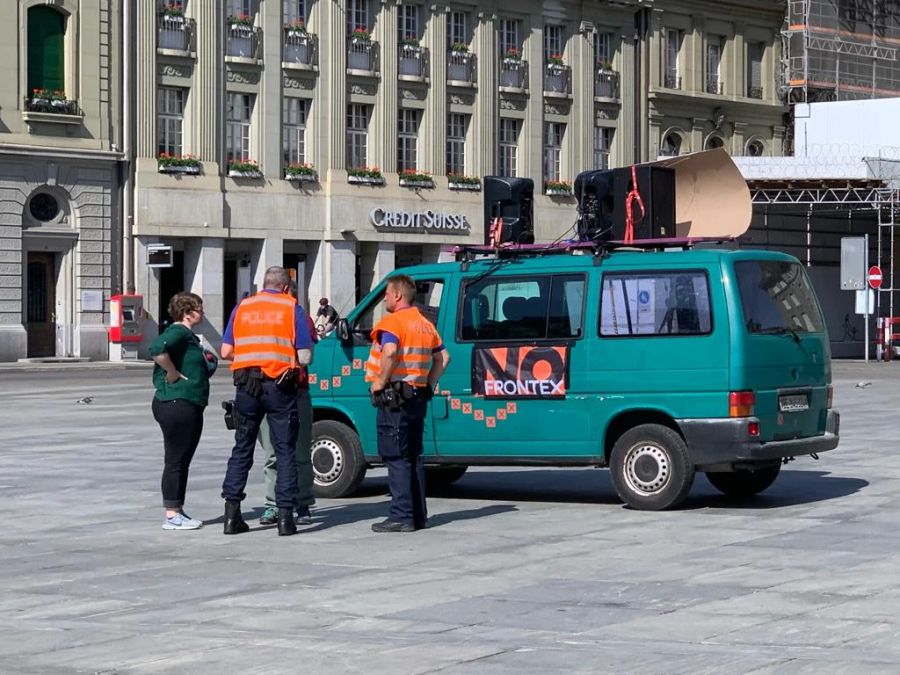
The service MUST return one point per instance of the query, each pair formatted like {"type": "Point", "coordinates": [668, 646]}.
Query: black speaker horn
{"type": "Point", "coordinates": [512, 200]}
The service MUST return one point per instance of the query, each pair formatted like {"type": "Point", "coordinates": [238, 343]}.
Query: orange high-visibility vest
{"type": "Point", "coordinates": [264, 333]}
{"type": "Point", "coordinates": [418, 339]}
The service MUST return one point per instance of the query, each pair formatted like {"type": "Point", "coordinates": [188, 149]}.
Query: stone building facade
{"type": "Point", "coordinates": [260, 125]}
{"type": "Point", "coordinates": [60, 173]}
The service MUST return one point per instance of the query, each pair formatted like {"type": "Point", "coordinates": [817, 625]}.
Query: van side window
{"type": "Point", "coordinates": [655, 303]}
{"type": "Point", "coordinates": [523, 308]}
{"type": "Point", "coordinates": [428, 300]}
{"type": "Point", "coordinates": [776, 297]}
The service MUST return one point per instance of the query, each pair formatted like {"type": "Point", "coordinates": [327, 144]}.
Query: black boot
{"type": "Point", "coordinates": [234, 521]}
{"type": "Point", "coordinates": [286, 524]}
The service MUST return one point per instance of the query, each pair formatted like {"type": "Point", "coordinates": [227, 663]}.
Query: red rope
{"type": "Point", "coordinates": [496, 232]}
{"type": "Point", "coordinates": [633, 194]}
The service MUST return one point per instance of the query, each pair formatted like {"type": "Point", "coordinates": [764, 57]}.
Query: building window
{"type": "Point", "coordinates": [457, 29]}
{"type": "Point", "coordinates": [603, 49]}
{"type": "Point", "coordinates": [714, 142]}
{"type": "Point", "coordinates": [603, 139]}
{"type": "Point", "coordinates": [239, 7]}
{"type": "Point", "coordinates": [357, 135]}
{"type": "Point", "coordinates": [456, 143]}
{"type": "Point", "coordinates": [671, 145]}
{"type": "Point", "coordinates": [671, 67]}
{"type": "Point", "coordinates": [509, 143]}
{"type": "Point", "coordinates": [408, 131]}
{"type": "Point", "coordinates": [553, 42]}
{"type": "Point", "coordinates": [714, 45]}
{"type": "Point", "coordinates": [170, 120]}
{"type": "Point", "coordinates": [408, 23]}
{"type": "Point", "coordinates": [294, 10]}
{"type": "Point", "coordinates": [238, 114]}
{"type": "Point", "coordinates": [293, 141]}
{"type": "Point", "coordinates": [46, 49]}
{"type": "Point", "coordinates": [755, 53]}
{"type": "Point", "coordinates": [553, 137]}
{"type": "Point", "coordinates": [509, 36]}
{"type": "Point", "coordinates": [357, 15]}
{"type": "Point", "coordinates": [755, 148]}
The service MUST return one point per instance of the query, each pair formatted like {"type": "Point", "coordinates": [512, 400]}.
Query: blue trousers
{"type": "Point", "coordinates": [400, 446]}
{"type": "Point", "coordinates": [279, 407]}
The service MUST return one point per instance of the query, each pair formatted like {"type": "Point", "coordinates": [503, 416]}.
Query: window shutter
{"type": "Point", "coordinates": [46, 42]}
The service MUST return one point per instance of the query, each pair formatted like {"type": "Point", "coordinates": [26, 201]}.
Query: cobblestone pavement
{"type": "Point", "coordinates": [521, 571]}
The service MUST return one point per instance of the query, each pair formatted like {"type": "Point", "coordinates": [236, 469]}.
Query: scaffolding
{"type": "Point", "coordinates": [839, 50]}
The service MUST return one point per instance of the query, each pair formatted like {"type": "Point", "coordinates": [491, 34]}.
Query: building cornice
{"type": "Point", "coordinates": [61, 153]}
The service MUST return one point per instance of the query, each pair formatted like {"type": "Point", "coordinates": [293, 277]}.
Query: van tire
{"type": "Point", "coordinates": [337, 459]}
{"type": "Point", "coordinates": [440, 476]}
{"type": "Point", "coordinates": [651, 468]}
{"type": "Point", "coordinates": [743, 484]}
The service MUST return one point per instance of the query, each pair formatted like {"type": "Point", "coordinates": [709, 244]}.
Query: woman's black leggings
{"type": "Point", "coordinates": [182, 424]}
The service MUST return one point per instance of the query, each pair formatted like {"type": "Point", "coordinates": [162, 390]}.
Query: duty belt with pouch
{"type": "Point", "coordinates": [251, 380]}
{"type": "Point", "coordinates": [395, 394]}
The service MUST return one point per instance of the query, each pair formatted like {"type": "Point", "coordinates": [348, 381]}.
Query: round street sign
{"type": "Point", "coordinates": [875, 276]}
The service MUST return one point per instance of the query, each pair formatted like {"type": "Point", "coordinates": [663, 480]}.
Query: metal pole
{"type": "Point", "coordinates": [866, 296]}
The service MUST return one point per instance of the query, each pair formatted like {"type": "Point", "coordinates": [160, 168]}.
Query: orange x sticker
{"type": "Point", "coordinates": [313, 378]}
{"type": "Point", "coordinates": [491, 422]}
{"type": "Point", "coordinates": [479, 415]}
{"type": "Point", "coordinates": [357, 363]}
{"type": "Point", "coordinates": [501, 413]}
{"type": "Point", "coordinates": [455, 403]}
{"type": "Point", "coordinates": [511, 407]}
{"type": "Point", "coordinates": [345, 370]}
{"type": "Point", "coordinates": [336, 381]}
{"type": "Point", "coordinates": [445, 392]}
{"type": "Point", "coordinates": [323, 385]}
{"type": "Point", "coordinates": [467, 408]}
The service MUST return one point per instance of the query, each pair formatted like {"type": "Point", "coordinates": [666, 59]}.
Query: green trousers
{"type": "Point", "coordinates": [301, 455]}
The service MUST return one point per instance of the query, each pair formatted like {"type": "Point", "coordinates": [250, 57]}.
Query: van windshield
{"type": "Point", "coordinates": [776, 297]}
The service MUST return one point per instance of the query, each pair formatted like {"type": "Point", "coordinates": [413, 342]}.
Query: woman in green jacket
{"type": "Point", "coordinates": [181, 377]}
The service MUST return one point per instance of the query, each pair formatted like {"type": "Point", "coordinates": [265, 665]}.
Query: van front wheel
{"type": "Point", "coordinates": [337, 459]}
{"type": "Point", "coordinates": [742, 484]}
{"type": "Point", "coordinates": [651, 468]}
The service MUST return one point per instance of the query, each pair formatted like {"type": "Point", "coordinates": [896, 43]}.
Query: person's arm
{"type": "Point", "coordinates": [303, 340]}
{"type": "Point", "coordinates": [227, 350]}
{"type": "Point", "coordinates": [165, 362]}
{"type": "Point", "coordinates": [439, 363]}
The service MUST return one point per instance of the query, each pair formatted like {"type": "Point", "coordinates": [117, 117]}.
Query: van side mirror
{"type": "Point", "coordinates": [343, 331]}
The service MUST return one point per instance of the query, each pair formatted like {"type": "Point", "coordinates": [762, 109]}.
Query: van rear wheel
{"type": "Point", "coordinates": [742, 484]}
{"type": "Point", "coordinates": [337, 459]}
{"type": "Point", "coordinates": [651, 468]}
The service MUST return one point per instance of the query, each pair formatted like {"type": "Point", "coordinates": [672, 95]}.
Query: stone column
{"type": "Point", "coordinates": [435, 134]}
{"type": "Point", "coordinates": [145, 91]}
{"type": "Point", "coordinates": [375, 262]}
{"type": "Point", "coordinates": [334, 275]}
{"type": "Point", "coordinates": [623, 143]}
{"type": "Point", "coordinates": [383, 128]}
{"type": "Point", "coordinates": [736, 82]}
{"type": "Point", "coordinates": [695, 76]}
{"type": "Point", "coordinates": [269, 100]}
{"type": "Point", "coordinates": [697, 132]}
{"type": "Point", "coordinates": [484, 133]}
{"type": "Point", "coordinates": [533, 127]}
{"type": "Point", "coordinates": [208, 75]}
{"type": "Point", "coordinates": [738, 138]}
{"type": "Point", "coordinates": [331, 120]}
{"type": "Point", "coordinates": [204, 272]}
{"type": "Point", "coordinates": [266, 253]}
{"type": "Point", "coordinates": [580, 136]}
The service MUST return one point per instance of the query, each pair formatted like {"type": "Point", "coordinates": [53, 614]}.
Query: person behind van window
{"type": "Point", "coordinates": [268, 337]}
{"type": "Point", "coordinates": [405, 363]}
{"type": "Point", "coordinates": [303, 460]}
{"type": "Point", "coordinates": [181, 377]}
{"type": "Point", "coordinates": [326, 317]}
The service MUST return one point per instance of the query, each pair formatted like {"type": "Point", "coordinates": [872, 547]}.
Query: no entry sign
{"type": "Point", "coordinates": [875, 276]}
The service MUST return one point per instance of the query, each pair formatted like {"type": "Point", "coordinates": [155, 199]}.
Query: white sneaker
{"type": "Point", "coordinates": [181, 522]}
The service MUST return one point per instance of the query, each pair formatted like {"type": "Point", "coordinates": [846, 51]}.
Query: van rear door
{"type": "Point", "coordinates": [781, 348]}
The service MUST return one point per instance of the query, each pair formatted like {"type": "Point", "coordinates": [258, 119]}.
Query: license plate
{"type": "Point", "coordinates": [793, 402]}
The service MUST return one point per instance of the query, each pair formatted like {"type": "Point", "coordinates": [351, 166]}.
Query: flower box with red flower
{"type": "Point", "coordinates": [301, 173]}
{"type": "Point", "coordinates": [296, 28]}
{"type": "Point", "coordinates": [512, 56]}
{"type": "Point", "coordinates": [457, 181]}
{"type": "Point", "coordinates": [361, 36]}
{"type": "Point", "coordinates": [180, 164]}
{"type": "Point", "coordinates": [244, 169]}
{"type": "Point", "coordinates": [241, 23]}
{"type": "Point", "coordinates": [555, 61]}
{"type": "Point", "coordinates": [365, 175]}
{"type": "Point", "coordinates": [459, 48]}
{"type": "Point", "coordinates": [557, 188]}
{"type": "Point", "coordinates": [173, 12]}
{"type": "Point", "coordinates": [416, 179]}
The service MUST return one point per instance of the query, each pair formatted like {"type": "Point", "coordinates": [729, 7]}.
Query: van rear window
{"type": "Point", "coordinates": [655, 303]}
{"type": "Point", "coordinates": [776, 297]}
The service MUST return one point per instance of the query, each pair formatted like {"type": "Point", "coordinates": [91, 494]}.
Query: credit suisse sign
{"type": "Point", "coordinates": [424, 220]}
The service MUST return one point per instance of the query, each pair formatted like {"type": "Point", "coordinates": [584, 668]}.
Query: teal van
{"type": "Point", "coordinates": [654, 363]}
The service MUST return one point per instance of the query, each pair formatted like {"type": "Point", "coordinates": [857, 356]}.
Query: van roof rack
{"type": "Point", "coordinates": [469, 252]}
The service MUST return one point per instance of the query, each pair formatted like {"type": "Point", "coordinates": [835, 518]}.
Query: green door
{"type": "Point", "coordinates": [513, 387]}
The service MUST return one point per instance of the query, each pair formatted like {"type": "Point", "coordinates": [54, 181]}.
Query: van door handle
{"type": "Point", "coordinates": [440, 407]}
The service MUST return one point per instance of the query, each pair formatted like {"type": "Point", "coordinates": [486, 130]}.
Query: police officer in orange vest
{"type": "Point", "coordinates": [405, 362]}
{"type": "Point", "coordinates": [267, 338]}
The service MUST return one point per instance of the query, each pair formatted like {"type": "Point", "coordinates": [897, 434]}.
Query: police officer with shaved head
{"type": "Point", "coordinates": [267, 338]}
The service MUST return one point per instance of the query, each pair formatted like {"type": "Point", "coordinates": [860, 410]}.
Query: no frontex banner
{"type": "Point", "coordinates": [520, 372]}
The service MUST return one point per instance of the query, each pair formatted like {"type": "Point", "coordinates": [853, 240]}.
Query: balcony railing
{"type": "Point", "coordinates": [461, 67]}
{"type": "Point", "coordinates": [557, 79]}
{"type": "Point", "coordinates": [714, 85]}
{"type": "Point", "coordinates": [51, 105]}
{"type": "Point", "coordinates": [175, 33]}
{"type": "Point", "coordinates": [413, 61]}
{"type": "Point", "coordinates": [606, 84]}
{"type": "Point", "coordinates": [243, 42]}
{"type": "Point", "coordinates": [513, 74]}
{"type": "Point", "coordinates": [755, 92]}
{"type": "Point", "coordinates": [300, 48]}
{"type": "Point", "coordinates": [672, 81]}
{"type": "Point", "coordinates": [362, 56]}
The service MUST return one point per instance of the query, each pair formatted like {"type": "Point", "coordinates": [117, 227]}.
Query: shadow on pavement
{"type": "Point", "coordinates": [439, 519]}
